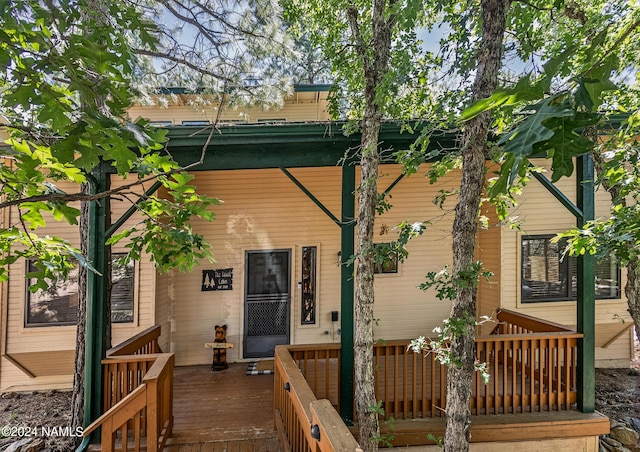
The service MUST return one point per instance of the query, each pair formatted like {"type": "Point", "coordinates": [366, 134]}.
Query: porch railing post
{"type": "Point", "coordinates": [586, 290]}
{"type": "Point", "coordinates": [346, 291]}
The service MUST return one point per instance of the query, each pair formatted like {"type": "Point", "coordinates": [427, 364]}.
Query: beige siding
{"type": "Point", "coordinates": [488, 251]}
{"type": "Point", "coordinates": [403, 310]}
{"type": "Point", "coordinates": [163, 310]}
{"type": "Point", "coordinates": [261, 210]}
{"type": "Point", "coordinates": [299, 107]}
{"type": "Point", "coordinates": [265, 210]}
{"type": "Point", "coordinates": [541, 213]}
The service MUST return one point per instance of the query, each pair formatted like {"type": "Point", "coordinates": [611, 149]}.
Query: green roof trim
{"type": "Point", "coordinates": [289, 145]}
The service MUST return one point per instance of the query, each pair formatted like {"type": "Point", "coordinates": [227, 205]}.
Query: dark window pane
{"type": "Point", "coordinates": [544, 272]}
{"type": "Point", "coordinates": [122, 290]}
{"type": "Point", "coordinates": [386, 259]}
{"type": "Point", "coordinates": [58, 305]}
{"type": "Point", "coordinates": [547, 275]}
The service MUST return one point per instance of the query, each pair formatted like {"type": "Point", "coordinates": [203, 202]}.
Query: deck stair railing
{"type": "Point", "coordinates": [138, 395]}
{"type": "Point", "coordinates": [306, 424]}
{"type": "Point", "coordinates": [531, 365]}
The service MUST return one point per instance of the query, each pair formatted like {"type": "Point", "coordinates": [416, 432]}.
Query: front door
{"type": "Point", "coordinates": [267, 298]}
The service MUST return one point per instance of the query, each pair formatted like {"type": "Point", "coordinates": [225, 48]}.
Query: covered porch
{"type": "Point", "coordinates": [531, 397]}
{"type": "Point", "coordinates": [536, 369]}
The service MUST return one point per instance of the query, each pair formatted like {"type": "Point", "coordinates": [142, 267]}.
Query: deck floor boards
{"type": "Point", "coordinates": [225, 411]}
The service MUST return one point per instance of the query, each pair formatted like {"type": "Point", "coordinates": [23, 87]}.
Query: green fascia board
{"type": "Point", "coordinates": [288, 145]}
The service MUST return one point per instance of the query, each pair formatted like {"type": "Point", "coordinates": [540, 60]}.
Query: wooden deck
{"type": "Point", "coordinates": [222, 411]}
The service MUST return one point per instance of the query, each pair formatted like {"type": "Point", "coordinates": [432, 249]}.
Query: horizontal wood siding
{"type": "Point", "coordinates": [261, 210]}
{"type": "Point", "coordinates": [299, 107]}
{"type": "Point", "coordinates": [265, 210]}
{"type": "Point", "coordinates": [403, 310]}
{"type": "Point", "coordinates": [488, 251]}
{"type": "Point", "coordinates": [163, 309]}
{"type": "Point", "coordinates": [541, 213]}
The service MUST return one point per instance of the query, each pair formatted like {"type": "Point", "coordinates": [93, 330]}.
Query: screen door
{"type": "Point", "coordinates": [267, 299]}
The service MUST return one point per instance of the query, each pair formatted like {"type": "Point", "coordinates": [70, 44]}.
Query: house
{"type": "Point", "coordinates": [280, 235]}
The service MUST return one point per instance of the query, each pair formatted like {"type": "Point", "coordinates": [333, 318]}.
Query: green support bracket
{"type": "Point", "coordinates": [347, 249]}
{"type": "Point", "coordinates": [131, 210]}
{"type": "Point", "coordinates": [310, 195]}
{"type": "Point", "coordinates": [566, 202]}
{"type": "Point", "coordinates": [97, 309]}
{"type": "Point", "coordinates": [393, 184]}
{"type": "Point", "coordinates": [586, 277]}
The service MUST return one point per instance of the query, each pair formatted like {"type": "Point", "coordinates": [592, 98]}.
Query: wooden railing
{"type": "Point", "coordinates": [304, 422]}
{"type": "Point", "coordinates": [510, 322]}
{"type": "Point", "coordinates": [138, 395]}
{"type": "Point", "coordinates": [531, 366]}
{"type": "Point", "coordinates": [143, 343]}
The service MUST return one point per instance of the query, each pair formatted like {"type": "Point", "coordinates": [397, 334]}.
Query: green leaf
{"type": "Point", "coordinates": [592, 85]}
{"type": "Point", "coordinates": [31, 214]}
{"type": "Point", "coordinates": [566, 143]}
{"type": "Point", "coordinates": [521, 141]}
{"type": "Point", "coordinates": [524, 91]}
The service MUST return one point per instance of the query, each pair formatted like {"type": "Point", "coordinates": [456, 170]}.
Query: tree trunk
{"type": "Point", "coordinates": [375, 67]}
{"type": "Point", "coordinates": [632, 291]}
{"type": "Point", "coordinates": [368, 425]}
{"type": "Point", "coordinates": [77, 397]}
{"type": "Point", "coordinates": [95, 10]}
{"type": "Point", "coordinates": [465, 226]}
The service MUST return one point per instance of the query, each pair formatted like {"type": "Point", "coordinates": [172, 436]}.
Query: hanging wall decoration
{"type": "Point", "coordinates": [221, 279]}
{"type": "Point", "coordinates": [308, 316]}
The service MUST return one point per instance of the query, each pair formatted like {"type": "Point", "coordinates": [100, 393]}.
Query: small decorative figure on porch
{"type": "Point", "coordinates": [220, 354]}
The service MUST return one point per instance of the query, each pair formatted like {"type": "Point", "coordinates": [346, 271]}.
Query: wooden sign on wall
{"type": "Point", "coordinates": [220, 279]}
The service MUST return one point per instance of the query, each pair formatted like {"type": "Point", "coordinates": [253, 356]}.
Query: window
{"type": "Point", "coordinates": [195, 123]}
{"type": "Point", "coordinates": [548, 276]}
{"type": "Point", "coordinates": [58, 305]}
{"type": "Point", "coordinates": [386, 259]}
{"type": "Point", "coordinates": [161, 123]}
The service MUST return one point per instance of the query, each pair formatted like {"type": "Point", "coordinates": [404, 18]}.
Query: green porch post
{"type": "Point", "coordinates": [586, 290]}
{"type": "Point", "coordinates": [347, 229]}
{"type": "Point", "coordinates": [97, 309]}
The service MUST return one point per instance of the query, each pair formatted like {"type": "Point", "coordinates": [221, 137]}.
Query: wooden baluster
{"type": "Point", "coordinates": [515, 353]}
{"type": "Point", "coordinates": [424, 359]}
{"type": "Point", "coordinates": [481, 356]}
{"type": "Point", "coordinates": [106, 439]}
{"type": "Point", "coordinates": [506, 348]}
{"type": "Point", "coordinates": [567, 375]}
{"type": "Point", "coordinates": [414, 386]}
{"type": "Point", "coordinates": [443, 389]}
{"type": "Point", "coordinates": [432, 363]}
{"type": "Point", "coordinates": [327, 377]}
{"type": "Point", "coordinates": [315, 372]}
{"type": "Point", "coordinates": [137, 440]}
{"type": "Point", "coordinates": [495, 371]}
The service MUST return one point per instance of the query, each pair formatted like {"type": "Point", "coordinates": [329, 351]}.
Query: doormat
{"type": "Point", "coordinates": [264, 367]}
